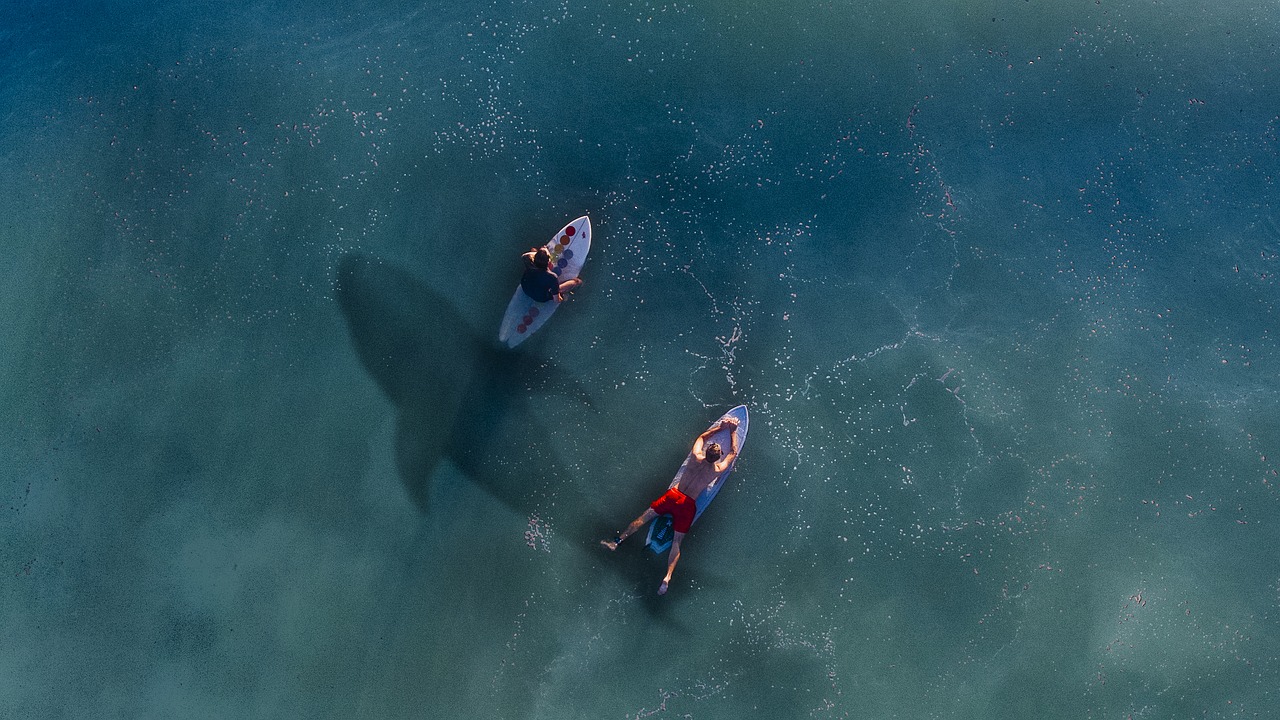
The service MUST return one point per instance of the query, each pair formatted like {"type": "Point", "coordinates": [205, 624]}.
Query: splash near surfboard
{"type": "Point", "coordinates": [524, 315]}
{"type": "Point", "coordinates": [661, 532]}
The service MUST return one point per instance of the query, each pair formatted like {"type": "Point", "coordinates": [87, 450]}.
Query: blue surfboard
{"type": "Point", "coordinates": [660, 531]}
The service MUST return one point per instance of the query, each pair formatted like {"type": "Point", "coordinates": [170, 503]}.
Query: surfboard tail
{"type": "Point", "coordinates": [661, 534]}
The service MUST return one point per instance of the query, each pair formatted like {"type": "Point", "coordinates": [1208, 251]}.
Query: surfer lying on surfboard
{"type": "Point", "coordinates": [678, 501]}
{"type": "Point", "coordinates": [540, 282]}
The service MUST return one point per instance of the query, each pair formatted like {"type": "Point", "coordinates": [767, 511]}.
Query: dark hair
{"type": "Point", "coordinates": [713, 451]}
{"type": "Point", "coordinates": [542, 258]}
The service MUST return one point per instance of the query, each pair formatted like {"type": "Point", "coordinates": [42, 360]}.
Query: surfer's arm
{"type": "Point", "coordinates": [727, 460]}
{"type": "Point", "coordinates": [528, 257]}
{"type": "Point", "coordinates": [698, 444]}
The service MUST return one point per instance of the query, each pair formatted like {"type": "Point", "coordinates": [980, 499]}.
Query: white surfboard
{"type": "Point", "coordinates": [568, 250]}
{"type": "Point", "coordinates": [660, 531]}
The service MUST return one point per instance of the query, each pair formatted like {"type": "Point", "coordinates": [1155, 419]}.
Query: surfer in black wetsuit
{"type": "Point", "coordinates": [539, 281]}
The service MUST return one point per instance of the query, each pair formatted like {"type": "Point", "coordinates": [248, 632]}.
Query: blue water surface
{"type": "Point", "coordinates": [997, 280]}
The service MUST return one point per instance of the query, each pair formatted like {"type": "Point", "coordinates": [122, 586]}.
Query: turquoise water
{"type": "Point", "coordinates": [997, 281]}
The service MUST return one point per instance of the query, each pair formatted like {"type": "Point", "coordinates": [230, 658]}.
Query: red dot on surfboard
{"type": "Point", "coordinates": [526, 320]}
{"type": "Point", "coordinates": [533, 312]}
{"type": "Point", "coordinates": [520, 329]}
{"type": "Point", "coordinates": [569, 230]}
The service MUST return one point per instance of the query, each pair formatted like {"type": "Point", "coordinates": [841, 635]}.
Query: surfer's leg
{"type": "Point", "coordinates": [672, 558]}
{"type": "Point", "coordinates": [635, 525]}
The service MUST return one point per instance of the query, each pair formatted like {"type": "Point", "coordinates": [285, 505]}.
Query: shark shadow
{"type": "Point", "coordinates": [463, 399]}
{"type": "Point", "coordinates": [458, 398]}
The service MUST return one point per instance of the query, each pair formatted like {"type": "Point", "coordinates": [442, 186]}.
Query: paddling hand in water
{"type": "Point", "coordinates": [678, 501]}
{"type": "Point", "coordinates": [539, 281]}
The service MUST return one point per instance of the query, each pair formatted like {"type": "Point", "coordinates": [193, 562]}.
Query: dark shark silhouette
{"type": "Point", "coordinates": [454, 392]}
{"type": "Point", "coordinates": [462, 398]}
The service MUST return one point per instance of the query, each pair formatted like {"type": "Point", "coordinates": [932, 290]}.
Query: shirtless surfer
{"type": "Point", "coordinates": [678, 502]}
{"type": "Point", "coordinates": [539, 281]}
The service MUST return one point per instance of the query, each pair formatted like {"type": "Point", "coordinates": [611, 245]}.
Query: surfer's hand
{"type": "Point", "coordinates": [729, 423]}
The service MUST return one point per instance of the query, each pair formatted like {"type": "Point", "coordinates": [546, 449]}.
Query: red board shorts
{"type": "Point", "coordinates": [679, 506]}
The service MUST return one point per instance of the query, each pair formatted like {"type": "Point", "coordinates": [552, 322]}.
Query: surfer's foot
{"type": "Point", "coordinates": [611, 544]}
{"type": "Point", "coordinates": [662, 589]}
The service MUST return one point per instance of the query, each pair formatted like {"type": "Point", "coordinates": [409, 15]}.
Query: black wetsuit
{"type": "Point", "coordinates": [540, 284]}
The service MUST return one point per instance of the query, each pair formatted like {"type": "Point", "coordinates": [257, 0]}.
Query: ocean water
{"type": "Point", "coordinates": [997, 280]}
